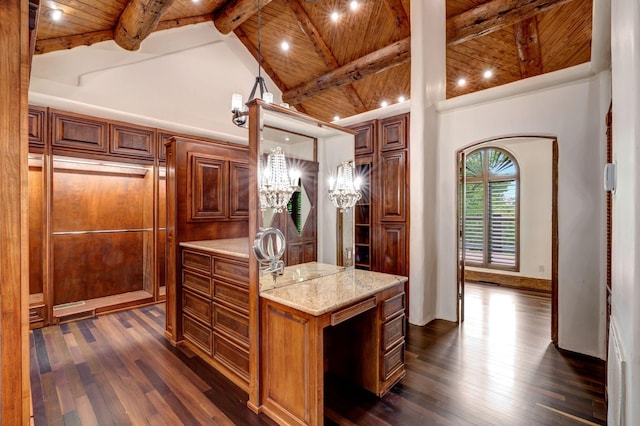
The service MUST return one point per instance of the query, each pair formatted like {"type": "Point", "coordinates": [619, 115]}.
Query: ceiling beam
{"type": "Point", "coordinates": [393, 55]}
{"type": "Point", "coordinates": [138, 19]}
{"type": "Point", "coordinates": [323, 51]}
{"type": "Point", "coordinates": [87, 39]}
{"type": "Point", "coordinates": [528, 46]}
{"type": "Point", "coordinates": [400, 15]}
{"type": "Point", "coordinates": [234, 13]}
{"type": "Point", "coordinates": [494, 15]}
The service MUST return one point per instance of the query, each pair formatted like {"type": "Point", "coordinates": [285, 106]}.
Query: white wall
{"type": "Point", "coordinates": [574, 113]}
{"type": "Point", "coordinates": [535, 160]}
{"type": "Point", "coordinates": [625, 58]}
{"type": "Point", "coordinates": [180, 79]}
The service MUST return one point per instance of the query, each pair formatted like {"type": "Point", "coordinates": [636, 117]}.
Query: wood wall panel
{"type": "Point", "coordinates": [207, 187]}
{"type": "Point", "coordinates": [89, 202]}
{"type": "Point", "coordinates": [79, 132]}
{"type": "Point", "coordinates": [393, 185]}
{"type": "Point", "coordinates": [393, 252]}
{"type": "Point", "coordinates": [238, 190]}
{"type": "Point", "coordinates": [136, 141]}
{"type": "Point", "coordinates": [96, 265]}
{"type": "Point", "coordinates": [36, 230]}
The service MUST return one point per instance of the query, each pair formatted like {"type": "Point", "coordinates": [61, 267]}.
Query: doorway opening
{"type": "Point", "coordinates": [507, 218]}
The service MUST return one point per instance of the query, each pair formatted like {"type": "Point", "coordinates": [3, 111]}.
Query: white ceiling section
{"type": "Point", "coordinates": [180, 79]}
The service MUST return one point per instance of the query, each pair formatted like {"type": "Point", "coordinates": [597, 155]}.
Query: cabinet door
{"type": "Point", "coordinates": [393, 132]}
{"type": "Point", "coordinates": [365, 139]}
{"type": "Point", "coordinates": [79, 132]}
{"type": "Point", "coordinates": [394, 181]}
{"type": "Point", "coordinates": [238, 190]}
{"type": "Point", "coordinates": [392, 253]}
{"type": "Point", "coordinates": [207, 188]}
{"type": "Point", "coordinates": [37, 126]}
{"type": "Point", "coordinates": [132, 141]}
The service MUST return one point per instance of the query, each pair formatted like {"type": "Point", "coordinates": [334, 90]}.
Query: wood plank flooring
{"type": "Point", "coordinates": [498, 368]}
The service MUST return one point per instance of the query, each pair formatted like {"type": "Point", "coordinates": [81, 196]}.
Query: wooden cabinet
{"type": "Point", "coordinates": [382, 214]}
{"type": "Point", "coordinates": [135, 141]}
{"type": "Point", "coordinates": [363, 343]}
{"type": "Point", "coordinates": [215, 310]}
{"type": "Point", "coordinates": [78, 132]}
{"type": "Point", "coordinates": [37, 126]}
{"type": "Point", "coordinates": [219, 189]}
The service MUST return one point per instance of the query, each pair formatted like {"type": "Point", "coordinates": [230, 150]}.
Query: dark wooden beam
{"type": "Point", "coordinates": [234, 13]}
{"type": "Point", "coordinates": [393, 55]}
{"type": "Point", "coordinates": [400, 15]}
{"type": "Point", "coordinates": [34, 17]}
{"type": "Point", "coordinates": [138, 19]}
{"type": "Point", "coordinates": [526, 37]}
{"type": "Point", "coordinates": [324, 51]}
{"type": "Point", "coordinates": [494, 15]}
{"type": "Point", "coordinates": [87, 39]}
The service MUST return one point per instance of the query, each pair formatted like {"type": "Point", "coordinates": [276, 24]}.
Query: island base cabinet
{"type": "Point", "coordinates": [292, 365]}
{"type": "Point", "coordinates": [362, 342]}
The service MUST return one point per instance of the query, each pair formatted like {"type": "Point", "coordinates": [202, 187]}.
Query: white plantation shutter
{"type": "Point", "coordinates": [502, 224]}
{"type": "Point", "coordinates": [491, 210]}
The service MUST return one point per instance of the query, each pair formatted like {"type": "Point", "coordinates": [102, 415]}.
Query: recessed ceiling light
{"type": "Point", "coordinates": [55, 14]}
{"type": "Point", "coordinates": [462, 82]}
{"type": "Point", "coordinates": [286, 138]}
{"type": "Point", "coordinates": [285, 45]}
{"type": "Point", "coordinates": [336, 117]}
{"type": "Point", "coordinates": [353, 5]}
{"type": "Point", "coordinates": [384, 104]}
{"type": "Point", "coordinates": [335, 16]}
{"type": "Point", "coordinates": [487, 74]}
{"type": "Point", "coordinates": [401, 99]}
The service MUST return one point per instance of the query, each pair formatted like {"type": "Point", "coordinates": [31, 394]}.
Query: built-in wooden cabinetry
{"type": "Point", "coordinates": [382, 214]}
{"type": "Point", "coordinates": [97, 215]}
{"type": "Point", "coordinates": [215, 314]}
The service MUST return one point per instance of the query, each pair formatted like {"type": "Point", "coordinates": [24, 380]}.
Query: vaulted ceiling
{"type": "Point", "coordinates": [350, 64]}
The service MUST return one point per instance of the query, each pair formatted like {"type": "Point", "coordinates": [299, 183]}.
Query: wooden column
{"type": "Point", "coordinates": [14, 251]}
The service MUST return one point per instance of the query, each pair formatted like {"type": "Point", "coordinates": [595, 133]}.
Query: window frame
{"type": "Point", "coordinates": [486, 178]}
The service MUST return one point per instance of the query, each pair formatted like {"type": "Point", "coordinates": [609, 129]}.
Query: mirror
{"type": "Point", "coordinates": [314, 229]}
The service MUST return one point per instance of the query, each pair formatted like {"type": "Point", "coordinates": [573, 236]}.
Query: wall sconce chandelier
{"type": "Point", "coordinates": [238, 109]}
{"type": "Point", "coordinates": [277, 183]}
{"type": "Point", "coordinates": [344, 190]}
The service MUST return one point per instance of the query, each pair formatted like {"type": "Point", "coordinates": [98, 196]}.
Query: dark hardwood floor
{"type": "Point", "coordinates": [498, 368]}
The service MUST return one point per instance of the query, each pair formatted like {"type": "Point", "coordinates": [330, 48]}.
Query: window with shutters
{"type": "Point", "coordinates": [491, 196]}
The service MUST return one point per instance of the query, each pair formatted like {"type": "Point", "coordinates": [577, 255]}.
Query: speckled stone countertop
{"type": "Point", "coordinates": [330, 292]}
{"type": "Point", "coordinates": [298, 273]}
{"type": "Point", "coordinates": [238, 247]}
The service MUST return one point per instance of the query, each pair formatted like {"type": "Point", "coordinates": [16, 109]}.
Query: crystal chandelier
{"type": "Point", "coordinates": [277, 183]}
{"type": "Point", "coordinates": [344, 190]}
{"type": "Point", "coordinates": [237, 108]}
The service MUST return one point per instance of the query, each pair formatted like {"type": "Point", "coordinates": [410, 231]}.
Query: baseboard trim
{"type": "Point", "coordinates": [515, 281]}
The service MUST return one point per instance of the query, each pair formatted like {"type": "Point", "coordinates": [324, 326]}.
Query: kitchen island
{"type": "Point", "coordinates": [349, 323]}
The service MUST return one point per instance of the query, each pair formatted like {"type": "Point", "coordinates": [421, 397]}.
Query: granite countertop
{"type": "Point", "coordinates": [298, 273]}
{"type": "Point", "coordinates": [238, 247]}
{"type": "Point", "coordinates": [328, 293]}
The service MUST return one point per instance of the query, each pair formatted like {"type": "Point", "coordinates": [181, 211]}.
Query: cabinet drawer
{"type": "Point", "coordinates": [197, 306]}
{"type": "Point", "coordinates": [392, 361]}
{"type": "Point", "coordinates": [229, 293]}
{"type": "Point", "coordinates": [231, 355]}
{"type": "Point", "coordinates": [236, 271]}
{"type": "Point", "coordinates": [392, 306]}
{"type": "Point", "coordinates": [232, 323]}
{"type": "Point", "coordinates": [393, 332]}
{"type": "Point", "coordinates": [196, 282]}
{"type": "Point", "coordinates": [79, 132]}
{"type": "Point", "coordinates": [197, 333]}
{"type": "Point", "coordinates": [195, 260]}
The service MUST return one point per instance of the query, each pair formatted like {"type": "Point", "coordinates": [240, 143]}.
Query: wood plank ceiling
{"type": "Point", "coordinates": [353, 64]}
